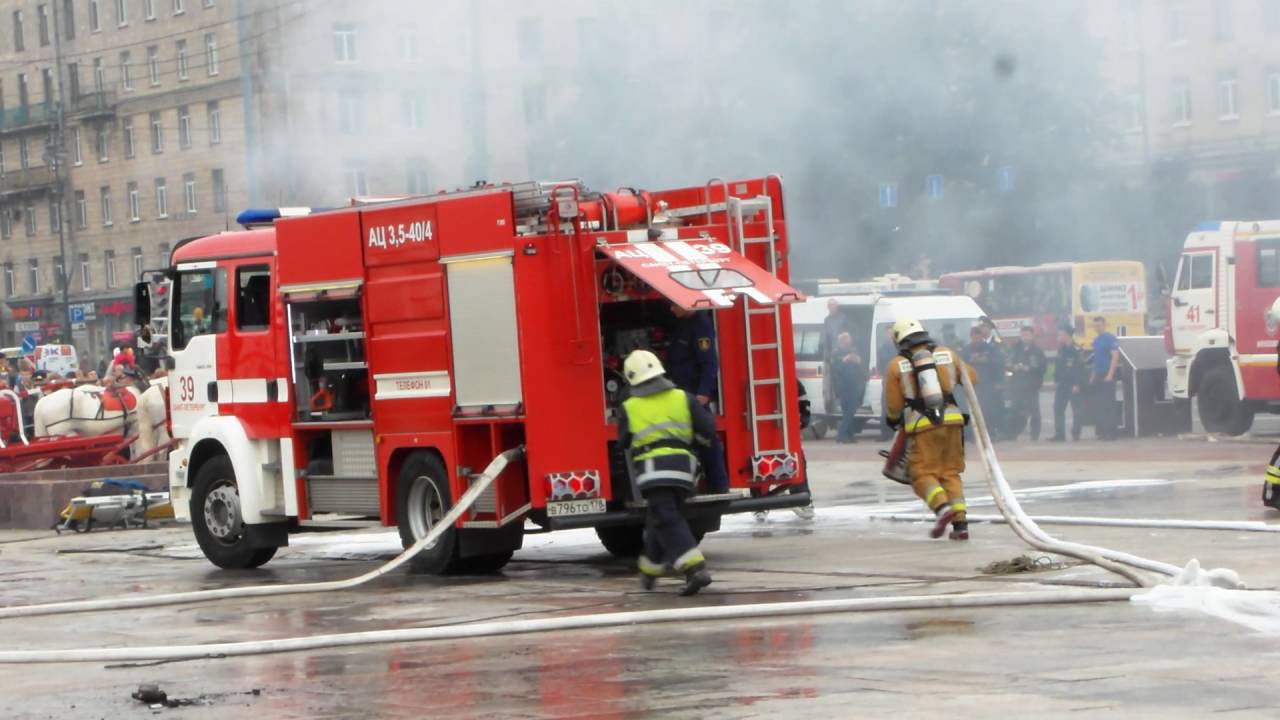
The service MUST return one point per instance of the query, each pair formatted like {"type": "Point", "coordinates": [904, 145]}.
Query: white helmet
{"type": "Point", "coordinates": [642, 365]}
{"type": "Point", "coordinates": [906, 329]}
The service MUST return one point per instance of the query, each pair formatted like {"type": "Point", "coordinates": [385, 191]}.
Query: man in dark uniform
{"type": "Point", "coordinates": [1027, 367]}
{"type": "Point", "coordinates": [692, 364]}
{"type": "Point", "coordinates": [1068, 377]}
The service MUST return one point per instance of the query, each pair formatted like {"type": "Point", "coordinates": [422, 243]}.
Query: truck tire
{"type": "Point", "coordinates": [484, 564]}
{"type": "Point", "coordinates": [624, 541]}
{"type": "Point", "coordinates": [422, 500]}
{"type": "Point", "coordinates": [1221, 410]}
{"type": "Point", "coordinates": [217, 520]}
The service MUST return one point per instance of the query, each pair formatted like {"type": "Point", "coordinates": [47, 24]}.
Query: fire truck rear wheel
{"type": "Point", "coordinates": [422, 500]}
{"type": "Point", "coordinates": [218, 521]}
{"type": "Point", "coordinates": [1221, 409]}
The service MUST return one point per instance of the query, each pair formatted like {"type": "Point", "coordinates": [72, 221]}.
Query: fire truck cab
{"type": "Point", "coordinates": [360, 366]}
{"type": "Point", "coordinates": [1221, 335]}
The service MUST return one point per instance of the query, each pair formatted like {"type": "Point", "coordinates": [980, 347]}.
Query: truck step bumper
{"type": "Point", "coordinates": [691, 510]}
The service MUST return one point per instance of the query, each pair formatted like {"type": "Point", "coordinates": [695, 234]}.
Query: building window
{"type": "Point", "coordinates": [344, 43]}
{"type": "Point", "coordinates": [29, 219]}
{"type": "Point", "coordinates": [183, 69]}
{"type": "Point", "coordinates": [184, 127]}
{"type": "Point", "coordinates": [137, 264]}
{"type": "Point", "coordinates": [189, 193]}
{"type": "Point", "coordinates": [179, 7]}
{"type": "Point", "coordinates": [219, 191]}
{"type": "Point", "coordinates": [529, 38]}
{"type": "Point", "coordinates": [47, 76]}
{"type": "Point", "coordinates": [157, 134]}
{"type": "Point", "coordinates": [126, 72]}
{"type": "Point", "coordinates": [33, 275]}
{"type": "Point", "coordinates": [55, 216]}
{"type": "Point", "coordinates": [10, 283]}
{"type": "Point", "coordinates": [414, 110]}
{"type": "Point", "coordinates": [42, 15]}
{"type": "Point", "coordinates": [86, 281]}
{"type": "Point", "coordinates": [351, 111]}
{"type": "Point", "coordinates": [59, 273]}
{"type": "Point", "coordinates": [214, 122]}
{"type": "Point", "coordinates": [1175, 22]}
{"type": "Point", "coordinates": [417, 184]}
{"type": "Point", "coordinates": [207, 3]}
{"type": "Point", "coordinates": [408, 47]}
{"type": "Point", "coordinates": [1228, 96]}
{"type": "Point", "coordinates": [211, 54]}
{"type": "Point", "coordinates": [1181, 102]}
{"type": "Point", "coordinates": [69, 18]}
{"type": "Point", "coordinates": [24, 158]}
{"type": "Point", "coordinates": [1222, 30]}
{"type": "Point", "coordinates": [149, 9]}
{"type": "Point", "coordinates": [162, 199]}
{"type": "Point", "coordinates": [355, 178]}
{"type": "Point", "coordinates": [535, 100]}
{"type": "Point", "coordinates": [73, 79]}
{"type": "Point", "coordinates": [1, 165]}
{"type": "Point", "coordinates": [23, 98]}
{"type": "Point", "coordinates": [122, 12]}
{"type": "Point", "coordinates": [82, 211]}
{"type": "Point", "coordinates": [109, 261]}
{"type": "Point", "coordinates": [95, 16]}
{"type": "Point", "coordinates": [6, 224]}
{"type": "Point", "coordinates": [135, 203]}
{"type": "Point", "coordinates": [102, 143]}
{"type": "Point", "coordinates": [17, 31]}
{"type": "Point", "coordinates": [76, 156]}
{"type": "Point", "coordinates": [105, 194]}
{"type": "Point", "coordinates": [99, 75]}
{"type": "Point", "coordinates": [153, 65]}
{"type": "Point", "coordinates": [126, 129]}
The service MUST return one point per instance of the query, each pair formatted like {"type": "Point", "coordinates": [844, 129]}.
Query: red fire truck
{"type": "Point", "coordinates": [1221, 336]}
{"type": "Point", "coordinates": [362, 365]}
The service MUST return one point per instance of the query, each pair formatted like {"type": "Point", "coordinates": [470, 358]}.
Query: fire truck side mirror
{"type": "Point", "coordinates": [142, 303]}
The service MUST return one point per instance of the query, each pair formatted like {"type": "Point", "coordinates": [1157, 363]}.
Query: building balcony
{"type": "Point", "coordinates": [26, 116]}
{"type": "Point", "coordinates": [30, 179]}
{"type": "Point", "coordinates": [94, 104]}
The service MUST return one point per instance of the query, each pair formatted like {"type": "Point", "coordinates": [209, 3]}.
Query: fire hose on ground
{"type": "Point", "coordinates": [1026, 529]}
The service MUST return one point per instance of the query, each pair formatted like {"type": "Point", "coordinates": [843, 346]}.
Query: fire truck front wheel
{"type": "Point", "coordinates": [1221, 409]}
{"type": "Point", "coordinates": [218, 521]}
{"type": "Point", "coordinates": [422, 500]}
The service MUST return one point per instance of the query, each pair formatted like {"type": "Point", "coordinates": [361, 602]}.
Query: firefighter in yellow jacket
{"type": "Point", "coordinates": [920, 388]}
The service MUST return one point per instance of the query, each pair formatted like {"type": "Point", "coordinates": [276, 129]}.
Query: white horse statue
{"type": "Point", "coordinates": [92, 410]}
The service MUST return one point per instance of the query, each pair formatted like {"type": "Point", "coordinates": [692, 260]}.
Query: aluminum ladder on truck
{"type": "Point", "coordinates": [761, 339]}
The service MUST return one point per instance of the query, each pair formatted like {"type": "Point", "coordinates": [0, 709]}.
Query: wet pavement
{"type": "Point", "coordinates": [1018, 661]}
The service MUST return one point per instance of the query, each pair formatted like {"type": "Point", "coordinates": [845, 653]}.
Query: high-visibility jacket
{"type": "Point", "coordinates": [660, 430]}
{"type": "Point", "coordinates": [902, 392]}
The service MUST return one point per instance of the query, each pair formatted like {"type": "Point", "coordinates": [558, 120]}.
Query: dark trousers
{"type": "Point", "coordinates": [992, 401]}
{"type": "Point", "coordinates": [666, 533]}
{"type": "Point", "coordinates": [711, 460]}
{"type": "Point", "coordinates": [850, 401]}
{"type": "Point", "coordinates": [1024, 407]}
{"type": "Point", "coordinates": [1062, 397]}
{"type": "Point", "coordinates": [1102, 408]}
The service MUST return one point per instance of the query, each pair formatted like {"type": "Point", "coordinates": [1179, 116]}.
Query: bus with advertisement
{"type": "Point", "coordinates": [1051, 295]}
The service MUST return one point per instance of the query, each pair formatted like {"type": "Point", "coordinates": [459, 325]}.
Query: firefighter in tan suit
{"type": "Point", "coordinates": [919, 387]}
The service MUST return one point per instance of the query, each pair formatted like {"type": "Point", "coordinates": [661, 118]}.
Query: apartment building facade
{"type": "Point", "coordinates": [1196, 88]}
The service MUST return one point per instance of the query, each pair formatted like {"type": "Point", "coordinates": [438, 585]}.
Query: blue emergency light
{"type": "Point", "coordinates": [262, 217]}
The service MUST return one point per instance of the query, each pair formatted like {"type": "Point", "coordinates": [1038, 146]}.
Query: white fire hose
{"type": "Point", "coordinates": [1022, 525]}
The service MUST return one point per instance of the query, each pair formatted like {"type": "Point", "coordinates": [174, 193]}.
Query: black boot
{"type": "Point", "coordinates": [960, 530]}
{"type": "Point", "coordinates": [695, 578]}
{"type": "Point", "coordinates": [1271, 495]}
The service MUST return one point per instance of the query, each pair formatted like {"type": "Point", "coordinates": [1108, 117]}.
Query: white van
{"type": "Point", "coordinates": [869, 318]}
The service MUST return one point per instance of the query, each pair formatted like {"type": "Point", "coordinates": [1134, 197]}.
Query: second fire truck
{"type": "Point", "coordinates": [1222, 334]}
{"type": "Point", "coordinates": [362, 365]}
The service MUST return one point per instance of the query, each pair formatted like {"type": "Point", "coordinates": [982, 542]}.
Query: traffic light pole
{"type": "Point", "coordinates": [61, 179]}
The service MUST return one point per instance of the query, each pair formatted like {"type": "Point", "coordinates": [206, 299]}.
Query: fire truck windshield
{"type": "Point", "coordinates": [199, 305]}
